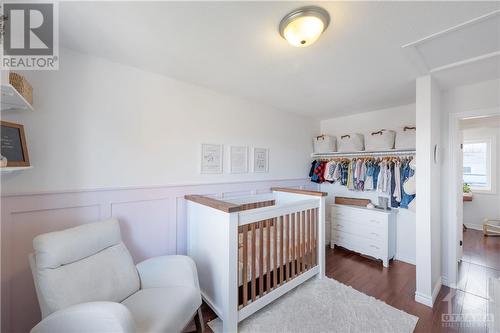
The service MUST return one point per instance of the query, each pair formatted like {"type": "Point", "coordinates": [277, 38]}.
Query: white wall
{"type": "Point", "coordinates": [484, 205]}
{"type": "Point", "coordinates": [474, 98]}
{"type": "Point", "coordinates": [392, 118]}
{"type": "Point", "coordinates": [428, 216]}
{"type": "Point", "coordinates": [100, 124]}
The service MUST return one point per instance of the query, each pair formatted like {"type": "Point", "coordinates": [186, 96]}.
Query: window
{"type": "Point", "coordinates": [477, 164]}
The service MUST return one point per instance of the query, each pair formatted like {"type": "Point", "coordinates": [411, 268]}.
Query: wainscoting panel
{"type": "Point", "coordinates": [153, 222]}
{"type": "Point", "coordinates": [148, 227]}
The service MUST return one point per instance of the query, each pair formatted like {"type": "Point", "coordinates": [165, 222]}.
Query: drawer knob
{"type": "Point", "coordinates": [374, 234]}
{"type": "Point", "coordinates": [375, 221]}
{"type": "Point", "coordinates": [375, 247]}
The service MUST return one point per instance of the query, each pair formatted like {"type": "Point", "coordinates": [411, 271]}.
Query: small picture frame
{"type": "Point", "coordinates": [261, 160]}
{"type": "Point", "coordinates": [238, 159]}
{"type": "Point", "coordinates": [13, 144]}
{"type": "Point", "coordinates": [211, 158]}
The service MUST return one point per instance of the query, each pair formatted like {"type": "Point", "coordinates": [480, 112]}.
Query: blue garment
{"type": "Point", "coordinates": [344, 173]}
{"type": "Point", "coordinates": [315, 176]}
{"type": "Point", "coordinates": [406, 173]}
{"type": "Point", "coordinates": [394, 202]}
{"type": "Point", "coordinates": [376, 171]}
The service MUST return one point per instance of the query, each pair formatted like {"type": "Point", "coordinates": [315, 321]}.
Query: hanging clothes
{"type": "Point", "coordinates": [318, 173]}
{"type": "Point", "coordinates": [406, 198]}
{"type": "Point", "coordinates": [337, 172]}
{"type": "Point", "coordinates": [376, 173]}
{"type": "Point", "coordinates": [329, 170]}
{"type": "Point", "coordinates": [386, 176]}
{"type": "Point", "coordinates": [313, 166]}
{"type": "Point", "coordinates": [394, 183]}
{"type": "Point", "coordinates": [350, 175]}
{"type": "Point", "coordinates": [344, 173]}
{"type": "Point", "coordinates": [370, 170]}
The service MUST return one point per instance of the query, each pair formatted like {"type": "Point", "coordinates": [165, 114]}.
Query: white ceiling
{"type": "Point", "coordinates": [234, 47]}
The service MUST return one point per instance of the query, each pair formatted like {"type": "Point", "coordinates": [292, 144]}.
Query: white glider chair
{"type": "Point", "coordinates": [86, 281]}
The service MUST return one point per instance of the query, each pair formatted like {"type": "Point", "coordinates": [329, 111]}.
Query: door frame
{"type": "Point", "coordinates": [456, 201]}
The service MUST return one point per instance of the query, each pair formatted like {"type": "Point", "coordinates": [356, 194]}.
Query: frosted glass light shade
{"type": "Point", "coordinates": [304, 26]}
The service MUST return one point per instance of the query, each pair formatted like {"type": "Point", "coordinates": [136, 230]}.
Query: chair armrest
{"type": "Point", "coordinates": [168, 271]}
{"type": "Point", "coordinates": [88, 317]}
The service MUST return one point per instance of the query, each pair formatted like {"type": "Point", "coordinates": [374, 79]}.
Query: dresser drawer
{"type": "Point", "coordinates": [359, 215]}
{"type": "Point", "coordinates": [362, 229]}
{"type": "Point", "coordinates": [359, 244]}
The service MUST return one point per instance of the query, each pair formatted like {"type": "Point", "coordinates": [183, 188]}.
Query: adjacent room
{"type": "Point", "coordinates": [250, 166]}
{"type": "Point", "coordinates": [480, 257]}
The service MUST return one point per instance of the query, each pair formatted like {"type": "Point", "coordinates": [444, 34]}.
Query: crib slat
{"type": "Point", "coordinates": [306, 239]}
{"type": "Point", "coordinates": [245, 265]}
{"type": "Point", "coordinates": [286, 259]}
{"type": "Point", "coordinates": [316, 237]}
{"type": "Point", "coordinates": [313, 230]}
{"type": "Point", "coordinates": [254, 262]}
{"type": "Point", "coordinates": [299, 242]}
{"type": "Point", "coordinates": [303, 241]}
{"type": "Point", "coordinates": [281, 247]}
{"type": "Point", "coordinates": [275, 253]}
{"type": "Point", "coordinates": [293, 243]}
{"type": "Point", "coordinates": [261, 258]}
{"type": "Point", "coordinates": [311, 235]}
{"type": "Point", "coordinates": [268, 255]}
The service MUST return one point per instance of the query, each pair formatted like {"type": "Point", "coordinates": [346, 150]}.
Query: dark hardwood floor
{"type": "Point", "coordinates": [481, 250]}
{"type": "Point", "coordinates": [396, 285]}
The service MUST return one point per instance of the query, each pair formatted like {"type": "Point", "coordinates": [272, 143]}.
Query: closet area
{"type": "Point", "coordinates": [370, 178]}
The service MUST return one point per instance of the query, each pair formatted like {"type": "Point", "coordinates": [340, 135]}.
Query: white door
{"type": "Point", "coordinates": [460, 200]}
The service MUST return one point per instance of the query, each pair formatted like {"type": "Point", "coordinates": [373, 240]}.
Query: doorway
{"type": "Point", "coordinates": [474, 163]}
{"type": "Point", "coordinates": [480, 258]}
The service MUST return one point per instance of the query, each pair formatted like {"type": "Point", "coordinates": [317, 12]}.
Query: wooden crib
{"type": "Point", "coordinates": [251, 250]}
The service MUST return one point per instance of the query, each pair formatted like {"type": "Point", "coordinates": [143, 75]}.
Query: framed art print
{"type": "Point", "coordinates": [238, 159]}
{"type": "Point", "coordinates": [211, 158]}
{"type": "Point", "coordinates": [260, 160]}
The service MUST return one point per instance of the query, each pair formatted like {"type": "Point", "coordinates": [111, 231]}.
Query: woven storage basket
{"type": "Point", "coordinates": [22, 86]}
{"type": "Point", "coordinates": [324, 143]}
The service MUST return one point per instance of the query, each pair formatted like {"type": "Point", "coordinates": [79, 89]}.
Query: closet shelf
{"type": "Point", "coordinates": [13, 100]}
{"type": "Point", "coordinates": [13, 169]}
{"type": "Point", "coordinates": [364, 153]}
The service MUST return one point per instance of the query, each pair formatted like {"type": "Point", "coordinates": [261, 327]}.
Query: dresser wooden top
{"type": "Point", "coordinates": [375, 210]}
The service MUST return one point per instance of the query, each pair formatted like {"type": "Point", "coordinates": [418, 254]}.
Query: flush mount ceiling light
{"type": "Point", "coordinates": [303, 26]}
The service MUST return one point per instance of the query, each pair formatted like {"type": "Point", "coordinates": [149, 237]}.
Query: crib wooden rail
{"type": "Point", "coordinates": [276, 244]}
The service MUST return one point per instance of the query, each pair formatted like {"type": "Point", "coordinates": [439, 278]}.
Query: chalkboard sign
{"type": "Point", "coordinates": [13, 144]}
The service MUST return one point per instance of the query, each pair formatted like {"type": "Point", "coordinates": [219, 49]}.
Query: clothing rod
{"type": "Point", "coordinates": [364, 153]}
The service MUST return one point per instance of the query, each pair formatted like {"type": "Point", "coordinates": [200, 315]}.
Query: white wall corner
{"type": "Point", "coordinates": [436, 289]}
{"type": "Point", "coordinates": [423, 299]}
{"type": "Point", "coordinates": [405, 259]}
{"type": "Point", "coordinates": [429, 300]}
{"type": "Point", "coordinates": [447, 283]}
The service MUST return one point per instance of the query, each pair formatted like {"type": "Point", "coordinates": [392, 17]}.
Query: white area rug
{"type": "Point", "coordinates": [325, 306]}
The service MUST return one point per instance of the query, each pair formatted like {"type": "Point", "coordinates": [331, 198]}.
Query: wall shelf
{"type": "Point", "coordinates": [13, 100]}
{"type": "Point", "coordinates": [393, 152]}
{"type": "Point", "coordinates": [13, 169]}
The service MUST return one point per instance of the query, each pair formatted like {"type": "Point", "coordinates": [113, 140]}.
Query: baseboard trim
{"type": "Point", "coordinates": [445, 282]}
{"type": "Point", "coordinates": [407, 260]}
{"type": "Point", "coordinates": [423, 299]}
{"type": "Point", "coordinates": [429, 299]}
{"type": "Point", "coordinates": [437, 288]}
{"type": "Point", "coordinates": [474, 226]}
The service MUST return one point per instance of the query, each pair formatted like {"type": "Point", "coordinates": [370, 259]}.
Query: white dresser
{"type": "Point", "coordinates": [367, 231]}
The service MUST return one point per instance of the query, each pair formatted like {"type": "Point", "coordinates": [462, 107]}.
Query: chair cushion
{"type": "Point", "coordinates": [163, 309]}
{"type": "Point", "coordinates": [58, 248]}
{"type": "Point", "coordinates": [109, 275]}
